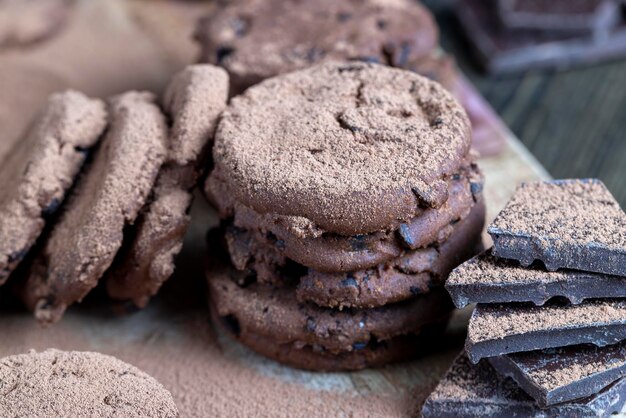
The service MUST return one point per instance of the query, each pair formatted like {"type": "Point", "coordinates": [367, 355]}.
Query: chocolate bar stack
{"type": "Point", "coordinates": [547, 337]}
{"type": "Point", "coordinates": [511, 35]}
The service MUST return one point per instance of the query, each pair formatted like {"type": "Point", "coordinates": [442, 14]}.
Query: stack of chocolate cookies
{"type": "Point", "coordinates": [348, 192]}
{"type": "Point", "coordinates": [100, 192]}
{"type": "Point", "coordinates": [551, 315]}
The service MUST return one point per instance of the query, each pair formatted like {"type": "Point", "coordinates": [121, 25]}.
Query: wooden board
{"type": "Point", "coordinates": [173, 339]}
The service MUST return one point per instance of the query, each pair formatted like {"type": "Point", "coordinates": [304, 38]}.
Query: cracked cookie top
{"type": "Point", "coordinates": [347, 147]}
{"type": "Point", "coordinates": [257, 39]}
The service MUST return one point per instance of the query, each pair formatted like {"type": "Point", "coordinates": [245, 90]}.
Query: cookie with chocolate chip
{"type": "Point", "coordinates": [37, 173]}
{"type": "Point", "coordinates": [194, 100]}
{"type": "Point", "coordinates": [257, 39]}
{"type": "Point", "coordinates": [329, 252]}
{"type": "Point", "coordinates": [106, 200]}
{"type": "Point", "coordinates": [316, 358]}
{"type": "Point", "coordinates": [273, 311]}
{"type": "Point", "coordinates": [340, 148]}
{"type": "Point", "coordinates": [413, 274]}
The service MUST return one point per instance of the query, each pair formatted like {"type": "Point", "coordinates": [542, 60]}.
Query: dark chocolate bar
{"type": "Point", "coordinates": [496, 329]}
{"type": "Point", "coordinates": [575, 224]}
{"type": "Point", "coordinates": [564, 374]}
{"type": "Point", "coordinates": [502, 50]}
{"type": "Point", "coordinates": [591, 17]}
{"type": "Point", "coordinates": [488, 279]}
{"type": "Point", "coordinates": [469, 390]}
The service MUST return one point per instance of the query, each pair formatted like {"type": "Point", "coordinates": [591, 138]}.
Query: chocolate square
{"type": "Point", "coordinates": [564, 374]}
{"type": "Point", "coordinates": [495, 329]}
{"type": "Point", "coordinates": [488, 279]}
{"type": "Point", "coordinates": [575, 224]}
{"type": "Point", "coordinates": [469, 390]}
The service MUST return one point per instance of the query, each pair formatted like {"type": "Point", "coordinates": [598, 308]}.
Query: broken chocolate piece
{"type": "Point", "coordinates": [501, 50]}
{"type": "Point", "coordinates": [469, 390]}
{"type": "Point", "coordinates": [574, 224]}
{"type": "Point", "coordinates": [578, 17]}
{"type": "Point", "coordinates": [560, 375]}
{"type": "Point", "coordinates": [488, 279]}
{"type": "Point", "coordinates": [501, 329]}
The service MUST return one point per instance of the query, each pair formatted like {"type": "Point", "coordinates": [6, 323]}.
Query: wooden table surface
{"type": "Point", "coordinates": [574, 121]}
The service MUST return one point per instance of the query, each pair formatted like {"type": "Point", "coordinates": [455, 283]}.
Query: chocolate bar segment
{"type": "Point", "coordinates": [577, 17]}
{"type": "Point", "coordinates": [575, 224]}
{"type": "Point", "coordinates": [563, 374]}
{"type": "Point", "coordinates": [488, 279]}
{"type": "Point", "coordinates": [496, 329]}
{"type": "Point", "coordinates": [469, 390]}
{"type": "Point", "coordinates": [501, 50]}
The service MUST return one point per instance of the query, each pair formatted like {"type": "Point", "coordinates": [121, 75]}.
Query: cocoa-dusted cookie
{"type": "Point", "coordinates": [346, 148]}
{"type": "Point", "coordinates": [37, 173]}
{"type": "Point", "coordinates": [107, 199]}
{"type": "Point", "coordinates": [374, 354]}
{"type": "Point", "coordinates": [194, 100]}
{"type": "Point", "coordinates": [575, 224]}
{"type": "Point", "coordinates": [273, 311]}
{"type": "Point", "coordinates": [329, 252]}
{"type": "Point", "coordinates": [258, 39]}
{"type": "Point", "coordinates": [24, 22]}
{"type": "Point", "coordinates": [57, 383]}
{"type": "Point", "coordinates": [415, 273]}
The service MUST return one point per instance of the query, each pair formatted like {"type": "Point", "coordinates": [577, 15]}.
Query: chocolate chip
{"type": "Point", "coordinates": [476, 188]}
{"type": "Point", "coordinates": [350, 281]}
{"type": "Point", "coordinates": [231, 323]}
{"type": "Point", "coordinates": [357, 243]}
{"type": "Point", "coordinates": [405, 234]}
{"type": "Point", "coordinates": [436, 122]}
{"type": "Point", "coordinates": [310, 324]}
{"type": "Point", "coordinates": [415, 291]}
{"type": "Point", "coordinates": [272, 238]}
{"type": "Point", "coordinates": [344, 16]}
{"type": "Point", "coordinates": [359, 346]}
{"type": "Point", "coordinates": [52, 207]}
{"type": "Point", "coordinates": [18, 256]}
{"type": "Point", "coordinates": [81, 150]}
{"type": "Point", "coordinates": [223, 52]}
{"type": "Point", "coordinates": [382, 24]}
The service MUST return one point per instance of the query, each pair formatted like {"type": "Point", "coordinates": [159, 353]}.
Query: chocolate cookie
{"type": "Point", "coordinates": [274, 312]}
{"type": "Point", "coordinates": [374, 354]}
{"type": "Point", "coordinates": [37, 173]}
{"type": "Point", "coordinates": [24, 22]}
{"type": "Point", "coordinates": [329, 252]}
{"type": "Point", "coordinates": [345, 148]}
{"type": "Point", "coordinates": [258, 39]}
{"type": "Point", "coordinates": [194, 100]}
{"type": "Point", "coordinates": [107, 199]}
{"type": "Point", "coordinates": [574, 224]}
{"type": "Point", "coordinates": [57, 383]}
{"type": "Point", "coordinates": [415, 273]}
